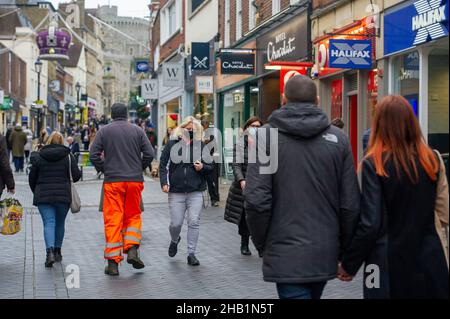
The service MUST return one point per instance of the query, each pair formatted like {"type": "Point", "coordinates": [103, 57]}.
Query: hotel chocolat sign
{"type": "Point", "coordinates": [287, 42]}
{"type": "Point", "coordinates": [237, 63]}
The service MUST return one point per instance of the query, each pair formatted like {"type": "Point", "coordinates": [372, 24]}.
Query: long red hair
{"type": "Point", "coordinates": [396, 136]}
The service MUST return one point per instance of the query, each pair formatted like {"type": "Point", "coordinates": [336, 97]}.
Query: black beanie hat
{"type": "Point", "coordinates": [119, 111]}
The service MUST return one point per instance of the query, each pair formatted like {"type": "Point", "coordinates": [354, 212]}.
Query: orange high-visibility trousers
{"type": "Point", "coordinates": [122, 217]}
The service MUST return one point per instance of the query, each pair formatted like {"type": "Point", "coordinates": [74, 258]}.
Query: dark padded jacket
{"type": "Point", "coordinates": [304, 214]}
{"type": "Point", "coordinates": [181, 175]}
{"type": "Point", "coordinates": [49, 177]}
{"type": "Point", "coordinates": [6, 175]}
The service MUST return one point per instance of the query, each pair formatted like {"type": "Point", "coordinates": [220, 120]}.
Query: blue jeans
{"type": "Point", "coordinates": [18, 163]}
{"type": "Point", "coordinates": [53, 217]}
{"type": "Point", "coordinates": [311, 290]}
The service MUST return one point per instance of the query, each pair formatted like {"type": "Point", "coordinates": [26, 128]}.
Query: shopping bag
{"type": "Point", "coordinates": [12, 214]}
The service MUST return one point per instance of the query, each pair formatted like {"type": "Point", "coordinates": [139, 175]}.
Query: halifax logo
{"type": "Point", "coordinates": [350, 54]}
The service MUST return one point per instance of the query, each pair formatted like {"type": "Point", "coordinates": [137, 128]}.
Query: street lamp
{"type": "Point", "coordinates": [78, 88]}
{"type": "Point", "coordinates": [38, 68]}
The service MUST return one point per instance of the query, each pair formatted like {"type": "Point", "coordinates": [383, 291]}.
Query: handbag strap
{"type": "Point", "coordinates": [70, 168]}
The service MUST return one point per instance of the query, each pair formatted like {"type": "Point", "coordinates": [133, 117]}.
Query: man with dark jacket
{"type": "Point", "coordinates": [6, 175]}
{"type": "Point", "coordinates": [302, 216]}
{"type": "Point", "coordinates": [121, 151]}
{"type": "Point", "coordinates": [18, 140]}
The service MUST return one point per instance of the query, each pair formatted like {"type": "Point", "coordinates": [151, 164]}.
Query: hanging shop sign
{"type": "Point", "coordinates": [415, 23]}
{"type": "Point", "coordinates": [173, 74]}
{"type": "Point", "coordinates": [237, 63]}
{"type": "Point", "coordinates": [6, 104]}
{"type": "Point", "coordinates": [288, 42]}
{"type": "Point", "coordinates": [350, 54]}
{"type": "Point", "coordinates": [200, 56]}
{"type": "Point", "coordinates": [142, 67]}
{"type": "Point", "coordinates": [204, 85]}
{"type": "Point", "coordinates": [53, 42]}
{"type": "Point", "coordinates": [149, 89]}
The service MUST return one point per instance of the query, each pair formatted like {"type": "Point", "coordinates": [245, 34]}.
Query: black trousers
{"type": "Point", "coordinates": [243, 228]}
{"type": "Point", "coordinates": [212, 180]}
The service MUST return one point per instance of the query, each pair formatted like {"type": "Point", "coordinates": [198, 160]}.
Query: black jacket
{"type": "Point", "coordinates": [303, 215]}
{"type": "Point", "coordinates": [6, 175]}
{"type": "Point", "coordinates": [181, 175]}
{"type": "Point", "coordinates": [49, 177]}
{"type": "Point", "coordinates": [397, 233]}
{"type": "Point", "coordinates": [234, 208]}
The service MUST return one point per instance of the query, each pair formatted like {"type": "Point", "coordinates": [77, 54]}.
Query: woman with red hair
{"type": "Point", "coordinates": [399, 236]}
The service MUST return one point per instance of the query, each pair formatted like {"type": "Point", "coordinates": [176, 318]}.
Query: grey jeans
{"type": "Point", "coordinates": [179, 205]}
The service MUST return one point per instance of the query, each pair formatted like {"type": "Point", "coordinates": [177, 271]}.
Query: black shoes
{"type": "Point", "coordinates": [244, 246]}
{"type": "Point", "coordinates": [58, 256]}
{"type": "Point", "coordinates": [192, 260]}
{"type": "Point", "coordinates": [50, 260]}
{"type": "Point", "coordinates": [112, 269]}
{"type": "Point", "coordinates": [133, 258]}
{"type": "Point", "coordinates": [173, 248]}
{"type": "Point", "coordinates": [215, 204]}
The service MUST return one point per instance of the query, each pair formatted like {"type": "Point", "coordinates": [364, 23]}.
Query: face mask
{"type": "Point", "coordinates": [191, 134]}
{"type": "Point", "coordinates": [252, 131]}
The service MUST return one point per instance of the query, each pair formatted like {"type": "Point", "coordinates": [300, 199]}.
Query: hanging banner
{"type": "Point", "coordinates": [204, 85]}
{"type": "Point", "coordinates": [149, 89]}
{"type": "Point", "coordinates": [173, 74]}
{"type": "Point", "coordinates": [350, 54]}
{"type": "Point", "coordinates": [200, 56]}
{"type": "Point", "coordinates": [237, 63]}
{"type": "Point", "coordinates": [142, 66]}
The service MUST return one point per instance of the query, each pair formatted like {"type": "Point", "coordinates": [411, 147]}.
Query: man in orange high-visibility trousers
{"type": "Point", "coordinates": [122, 151]}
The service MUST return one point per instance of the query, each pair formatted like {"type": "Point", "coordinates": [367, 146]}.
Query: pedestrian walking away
{"type": "Point", "coordinates": [122, 151]}
{"type": "Point", "coordinates": [6, 175]}
{"type": "Point", "coordinates": [8, 143]}
{"type": "Point", "coordinates": [18, 140]}
{"type": "Point", "coordinates": [29, 145]}
{"type": "Point", "coordinates": [49, 180]}
{"type": "Point", "coordinates": [212, 179]}
{"type": "Point", "coordinates": [182, 175]}
{"type": "Point", "coordinates": [234, 209]}
{"type": "Point", "coordinates": [404, 192]}
{"type": "Point", "coordinates": [302, 215]}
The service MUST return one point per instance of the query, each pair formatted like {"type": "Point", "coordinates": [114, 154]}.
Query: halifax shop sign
{"type": "Point", "coordinates": [415, 23]}
{"type": "Point", "coordinates": [350, 54]}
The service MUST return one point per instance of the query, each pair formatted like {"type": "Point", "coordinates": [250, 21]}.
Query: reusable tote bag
{"type": "Point", "coordinates": [75, 204]}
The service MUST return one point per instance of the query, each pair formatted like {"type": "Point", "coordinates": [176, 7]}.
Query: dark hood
{"type": "Point", "coordinates": [18, 129]}
{"type": "Point", "coordinates": [54, 152]}
{"type": "Point", "coordinates": [304, 120]}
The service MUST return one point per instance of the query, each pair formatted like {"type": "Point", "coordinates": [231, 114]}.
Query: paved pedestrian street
{"type": "Point", "coordinates": [223, 273]}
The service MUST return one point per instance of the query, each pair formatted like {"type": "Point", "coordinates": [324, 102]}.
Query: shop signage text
{"type": "Point", "coordinates": [204, 85]}
{"type": "Point", "coordinates": [350, 54]}
{"type": "Point", "coordinates": [173, 75]}
{"type": "Point", "coordinates": [142, 67]}
{"type": "Point", "coordinates": [417, 23]}
{"type": "Point", "coordinates": [237, 63]}
{"type": "Point", "coordinates": [282, 47]}
{"type": "Point", "coordinates": [149, 89]}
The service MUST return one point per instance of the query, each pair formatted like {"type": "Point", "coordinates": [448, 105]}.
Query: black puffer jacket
{"type": "Point", "coordinates": [181, 175]}
{"type": "Point", "coordinates": [303, 215]}
{"type": "Point", "coordinates": [235, 201]}
{"type": "Point", "coordinates": [49, 177]}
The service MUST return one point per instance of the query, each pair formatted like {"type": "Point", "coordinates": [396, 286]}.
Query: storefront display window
{"type": "Point", "coordinates": [406, 81]}
{"type": "Point", "coordinates": [438, 100]}
{"type": "Point", "coordinates": [254, 92]}
{"type": "Point", "coordinates": [233, 115]}
{"type": "Point", "coordinates": [204, 107]}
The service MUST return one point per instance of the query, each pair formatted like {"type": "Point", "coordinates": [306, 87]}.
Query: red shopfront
{"type": "Point", "coordinates": [348, 94]}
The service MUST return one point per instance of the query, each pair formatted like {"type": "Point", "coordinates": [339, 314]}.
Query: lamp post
{"type": "Point", "coordinates": [78, 88]}
{"type": "Point", "coordinates": [38, 69]}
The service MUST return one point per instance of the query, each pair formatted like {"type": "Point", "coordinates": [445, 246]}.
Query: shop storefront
{"type": "Point", "coordinates": [288, 40]}
{"type": "Point", "coordinates": [416, 48]}
{"type": "Point", "coordinates": [51, 113]}
{"type": "Point", "coordinates": [348, 78]}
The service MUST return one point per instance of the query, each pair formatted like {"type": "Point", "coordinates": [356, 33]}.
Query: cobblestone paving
{"type": "Point", "coordinates": [224, 272]}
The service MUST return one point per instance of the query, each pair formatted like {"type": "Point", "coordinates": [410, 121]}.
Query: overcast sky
{"type": "Point", "coordinates": [132, 8]}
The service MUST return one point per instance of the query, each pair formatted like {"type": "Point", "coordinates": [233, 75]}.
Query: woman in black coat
{"type": "Point", "coordinates": [234, 209]}
{"type": "Point", "coordinates": [397, 237]}
{"type": "Point", "coordinates": [49, 180]}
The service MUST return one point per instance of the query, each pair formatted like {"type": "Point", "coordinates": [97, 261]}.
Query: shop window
{"type": "Point", "coordinates": [438, 100]}
{"type": "Point", "coordinates": [195, 4]}
{"type": "Point", "coordinates": [238, 19]}
{"type": "Point", "coordinates": [406, 78]}
{"type": "Point", "coordinates": [204, 107]}
{"type": "Point", "coordinates": [227, 24]}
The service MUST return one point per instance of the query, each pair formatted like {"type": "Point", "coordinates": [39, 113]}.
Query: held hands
{"type": "Point", "coordinates": [343, 275]}
{"type": "Point", "coordinates": [12, 191]}
{"type": "Point", "coordinates": [198, 166]}
{"type": "Point", "coordinates": [165, 188]}
{"type": "Point", "coordinates": [242, 184]}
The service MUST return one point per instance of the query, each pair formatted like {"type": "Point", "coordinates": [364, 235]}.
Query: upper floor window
{"type": "Point", "coordinates": [276, 7]}
{"type": "Point", "coordinates": [195, 4]}
{"type": "Point", "coordinates": [238, 19]}
{"type": "Point", "coordinates": [227, 24]}
{"type": "Point", "coordinates": [251, 14]}
{"type": "Point", "coordinates": [171, 18]}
